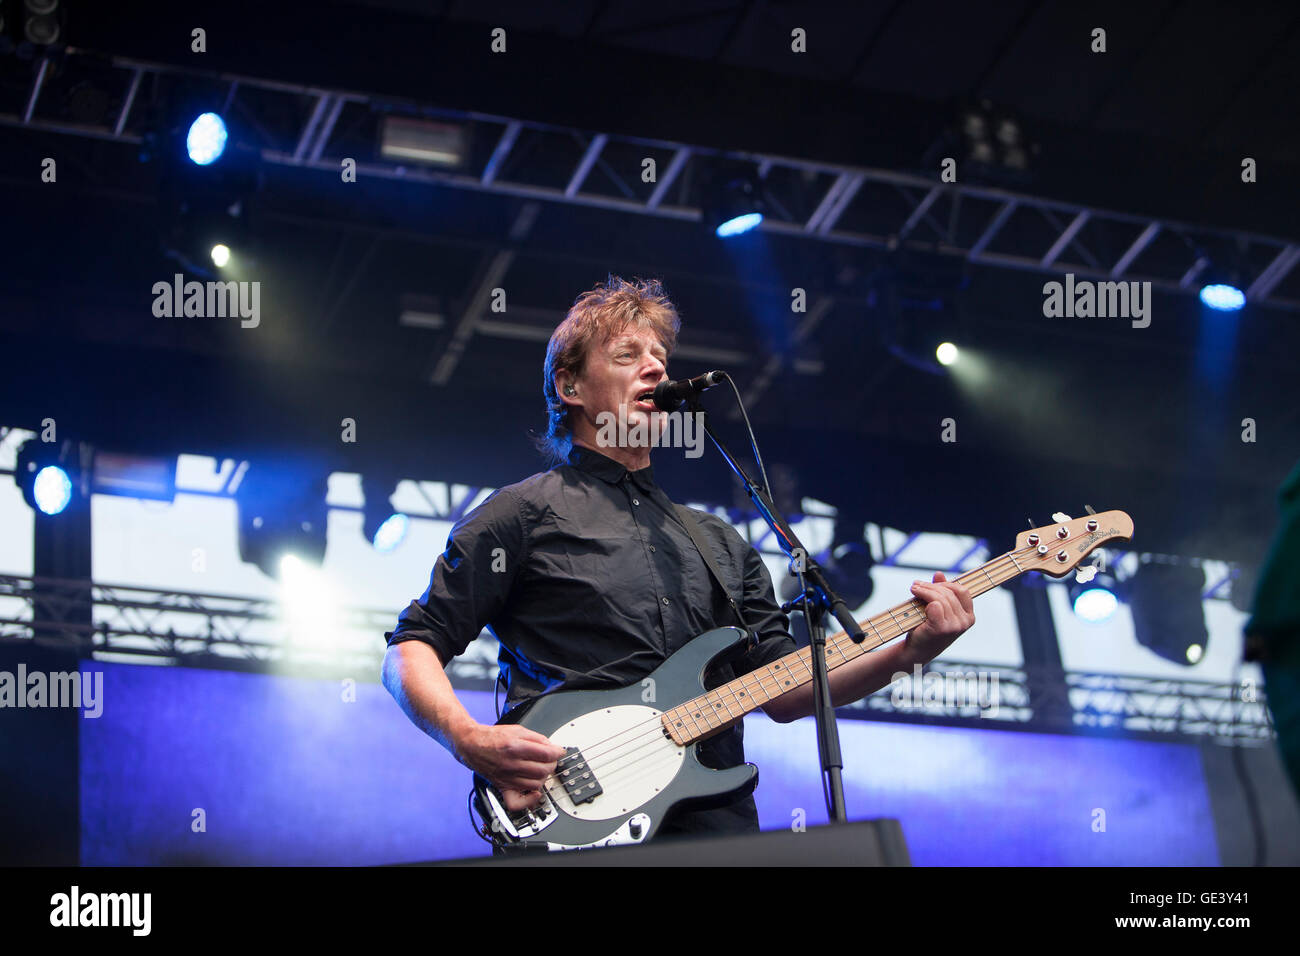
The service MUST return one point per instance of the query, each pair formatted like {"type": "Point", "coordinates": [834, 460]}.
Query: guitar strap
{"type": "Point", "coordinates": [693, 529]}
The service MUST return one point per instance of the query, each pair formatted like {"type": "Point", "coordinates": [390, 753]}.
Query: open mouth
{"type": "Point", "coordinates": [645, 399]}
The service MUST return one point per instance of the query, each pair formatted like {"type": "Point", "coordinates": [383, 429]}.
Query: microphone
{"type": "Point", "coordinates": [669, 395]}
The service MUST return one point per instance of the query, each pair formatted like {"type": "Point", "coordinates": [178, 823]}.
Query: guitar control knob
{"type": "Point", "coordinates": [634, 828]}
{"type": "Point", "coordinates": [1033, 539]}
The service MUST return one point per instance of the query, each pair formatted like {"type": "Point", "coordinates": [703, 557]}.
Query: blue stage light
{"type": "Point", "coordinates": [738, 224]}
{"type": "Point", "coordinates": [1095, 604]}
{"type": "Point", "coordinates": [207, 139]}
{"type": "Point", "coordinates": [391, 532]}
{"type": "Point", "coordinates": [52, 489]}
{"type": "Point", "coordinates": [1225, 298]}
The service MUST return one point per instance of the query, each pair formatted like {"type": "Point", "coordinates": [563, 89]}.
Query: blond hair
{"type": "Point", "coordinates": [596, 316]}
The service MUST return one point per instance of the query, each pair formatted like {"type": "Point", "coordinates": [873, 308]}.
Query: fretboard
{"type": "Point", "coordinates": [728, 703]}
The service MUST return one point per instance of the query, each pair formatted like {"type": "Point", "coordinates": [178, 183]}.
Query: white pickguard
{"type": "Point", "coordinates": [626, 749]}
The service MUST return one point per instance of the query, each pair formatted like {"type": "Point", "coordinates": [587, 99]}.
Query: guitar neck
{"type": "Point", "coordinates": [726, 704]}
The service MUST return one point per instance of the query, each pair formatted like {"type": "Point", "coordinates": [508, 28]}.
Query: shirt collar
{"type": "Point", "coordinates": [607, 469]}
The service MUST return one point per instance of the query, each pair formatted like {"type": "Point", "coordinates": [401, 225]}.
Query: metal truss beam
{"type": "Point", "coordinates": [251, 633]}
{"type": "Point", "coordinates": [986, 211]}
{"type": "Point", "coordinates": [1098, 703]}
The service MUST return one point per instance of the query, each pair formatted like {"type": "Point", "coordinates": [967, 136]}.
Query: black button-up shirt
{"type": "Point", "coordinates": [587, 578]}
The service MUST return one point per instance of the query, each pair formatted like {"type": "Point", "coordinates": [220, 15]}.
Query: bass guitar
{"type": "Point", "coordinates": [629, 764]}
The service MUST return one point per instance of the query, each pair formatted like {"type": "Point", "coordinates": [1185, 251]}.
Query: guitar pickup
{"type": "Point", "coordinates": [579, 782]}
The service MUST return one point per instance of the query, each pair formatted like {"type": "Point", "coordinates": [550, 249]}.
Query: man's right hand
{"type": "Point", "coordinates": [517, 760]}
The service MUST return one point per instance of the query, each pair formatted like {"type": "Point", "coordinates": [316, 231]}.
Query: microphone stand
{"type": "Point", "coordinates": [817, 599]}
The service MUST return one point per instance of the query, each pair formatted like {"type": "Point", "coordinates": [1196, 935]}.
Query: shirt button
{"type": "Point", "coordinates": [652, 549]}
{"type": "Point", "coordinates": [666, 601]}
{"type": "Point", "coordinates": [635, 501]}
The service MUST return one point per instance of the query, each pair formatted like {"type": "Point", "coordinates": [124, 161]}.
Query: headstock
{"type": "Point", "coordinates": [1057, 549]}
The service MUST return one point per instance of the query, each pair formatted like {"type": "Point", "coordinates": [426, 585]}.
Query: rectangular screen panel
{"type": "Point", "coordinates": [282, 770]}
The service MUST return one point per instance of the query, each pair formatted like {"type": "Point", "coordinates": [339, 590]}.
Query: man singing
{"type": "Point", "coordinates": [588, 579]}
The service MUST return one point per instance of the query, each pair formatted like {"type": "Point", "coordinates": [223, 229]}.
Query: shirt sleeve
{"type": "Point", "coordinates": [770, 625]}
{"type": "Point", "coordinates": [471, 579]}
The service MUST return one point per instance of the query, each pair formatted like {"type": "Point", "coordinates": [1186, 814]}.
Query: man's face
{"type": "Point", "coordinates": [619, 373]}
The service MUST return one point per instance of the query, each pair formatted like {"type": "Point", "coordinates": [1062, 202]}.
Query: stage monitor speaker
{"type": "Point", "coordinates": [863, 843]}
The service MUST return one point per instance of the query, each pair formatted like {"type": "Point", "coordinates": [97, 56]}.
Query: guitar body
{"type": "Point", "coordinates": [625, 774]}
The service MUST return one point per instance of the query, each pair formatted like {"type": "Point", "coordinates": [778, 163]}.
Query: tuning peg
{"type": "Point", "coordinates": [1085, 574]}
{"type": "Point", "coordinates": [1060, 516]}
{"type": "Point", "coordinates": [1088, 508]}
{"type": "Point", "coordinates": [1030, 522]}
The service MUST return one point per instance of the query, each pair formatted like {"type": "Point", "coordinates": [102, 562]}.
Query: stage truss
{"type": "Point", "coordinates": [308, 127]}
{"type": "Point", "coordinates": [146, 625]}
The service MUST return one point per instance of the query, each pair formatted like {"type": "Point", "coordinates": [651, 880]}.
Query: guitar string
{"type": "Point", "coordinates": [652, 733]}
{"type": "Point", "coordinates": [653, 726]}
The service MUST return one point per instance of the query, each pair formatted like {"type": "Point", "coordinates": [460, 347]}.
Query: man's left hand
{"type": "Point", "coordinates": [948, 614]}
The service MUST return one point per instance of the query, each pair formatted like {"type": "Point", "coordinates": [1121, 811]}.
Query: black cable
{"type": "Point", "coordinates": [767, 489]}
{"type": "Point", "coordinates": [753, 442]}
{"type": "Point", "coordinates": [473, 824]}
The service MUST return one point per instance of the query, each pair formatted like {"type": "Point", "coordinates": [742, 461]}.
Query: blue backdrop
{"type": "Point", "coordinates": [283, 770]}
